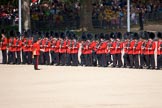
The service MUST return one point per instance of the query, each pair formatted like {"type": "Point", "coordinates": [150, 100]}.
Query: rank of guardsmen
{"type": "Point", "coordinates": [128, 50]}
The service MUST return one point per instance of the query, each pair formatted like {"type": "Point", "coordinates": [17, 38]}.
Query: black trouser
{"type": "Point", "coordinates": [101, 60]}
{"type": "Point", "coordinates": [88, 59]}
{"type": "Point", "coordinates": [11, 57]}
{"type": "Point", "coordinates": [94, 58]}
{"type": "Point", "coordinates": [142, 60]}
{"type": "Point", "coordinates": [62, 58]}
{"type": "Point", "coordinates": [117, 60]}
{"type": "Point", "coordinates": [136, 60]}
{"type": "Point", "coordinates": [36, 61]}
{"type": "Point", "coordinates": [131, 60]}
{"type": "Point", "coordinates": [108, 59]}
{"type": "Point", "coordinates": [4, 56]}
{"type": "Point", "coordinates": [150, 60]}
{"type": "Point", "coordinates": [74, 59]}
{"type": "Point", "coordinates": [52, 57]}
{"type": "Point", "coordinates": [68, 59]}
{"type": "Point", "coordinates": [18, 57]}
{"type": "Point", "coordinates": [46, 58]}
{"type": "Point", "coordinates": [41, 58]}
{"type": "Point", "coordinates": [83, 59]}
{"type": "Point", "coordinates": [25, 57]}
{"type": "Point", "coordinates": [159, 61]}
{"type": "Point", "coordinates": [126, 60]}
{"type": "Point", "coordinates": [57, 58]}
{"type": "Point", "coordinates": [30, 57]}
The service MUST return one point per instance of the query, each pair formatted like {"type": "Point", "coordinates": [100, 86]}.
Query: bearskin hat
{"type": "Point", "coordinates": [89, 36]}
{"type": "Point", "coordinates": [159, 35]}
{"type": "Point", "coordinates": [151, 35]}
{"type": "Point", "coordinates": [112, 35]}
{"type": "Point", "coordinates": [83, 37]}
{"type": "Point", "coordinates": [107, 36]}
{"type": "Point", "coordinates": [119, 35]}
{"type": "Point", "coordinates": [102, 36]}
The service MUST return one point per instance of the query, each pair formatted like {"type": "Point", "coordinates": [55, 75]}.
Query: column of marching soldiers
{"type": "Point", "coordinates": [130, 50]}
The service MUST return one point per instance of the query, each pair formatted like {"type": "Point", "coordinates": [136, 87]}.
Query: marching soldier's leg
{"type": "Point", "coordinates": [119, 60]}
{"type": "Point", "coordinates": [147, 58]}
{"type": "Point", "coordinates": [18, 57]}
{"type": "Point", "coordinates": [4, 56]}
{"type": "Point", "coordinates": [131, 60]}
{"type": "Point", "coordinates": [114, 60]}
{"type": "Point", "coordinates": [57, 58]}
{"type": "Point", "coordinates": [136, 61]}
{"type": "Point", "coordinates": [9, 57]}
{"type": "Point", "coordinates": [52, 57]}
{"type": "Point", "coordinates": [152, 61]}
{"type": "Point", "coordinates": [142, 61]}
{"type": "Point", "coordinates": [47, 58]}
{"type": "Point", "coordinates": [159, 61]}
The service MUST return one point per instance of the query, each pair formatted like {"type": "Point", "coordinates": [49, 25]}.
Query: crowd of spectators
{"type": "Point", "coordinates": [8, 15]}
{"type": "Point", "coordinates": [112, 14]}
{"type": "Point", "coordinates": [58, 13]}
{"type": "Point", "coordinates": [109, 14]}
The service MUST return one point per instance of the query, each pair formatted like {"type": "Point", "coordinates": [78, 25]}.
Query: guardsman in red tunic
{"type": "Point", "coordinates": [62, 49]}
{"type": "Point", "coordinates": [18, 48]}
{"type": "Point", "coordinates": [74, 52]}
{"type": "Point", "coordinates": [93, 45]}
{"type": "Point", "coordinates": [3, 47]}
{"type": "Point", "coordinates": [149, 52]}
{"type": "Point", "coordinates": [25, 43]}
{"type": "Point", "coordinates": [136, 50]}
{"type": "Point", "coordinates": [118, 50]}
{"type": "Point", "coordinates": [100, 51]}
{"type": "Point", "coordinates": [130, 51]}
{"type": "Point", "coordinates": [112, 48]}
{"type": "Point", "coordinates": [47, 46]}
{"type": "Point", "coordinates": [12, 48]}
{"type": "Point", "coordinates": [57, 47]}
{"type": "Point", "coordinates": [30, 47]}
{"type": "Point", "coordinates": [83, 51]}
{"type": "Point", "coordinates": [143, 40]}
{"type": "Point", "coordinates": [159, 51]}
{"type": "Point", "coordinates": [52, 49]}
{"type": "Point", "coordinates": [107, 50]}
{"type": "Point", "coordinates": [36, 53]}
{"type": "Point", "coordinates": [88, 50]}
{"type": "Point", "coordinates": [126, 43]}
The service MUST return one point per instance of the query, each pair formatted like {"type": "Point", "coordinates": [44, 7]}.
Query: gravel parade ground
{"type": "Point", "coordinates": [79, 87]}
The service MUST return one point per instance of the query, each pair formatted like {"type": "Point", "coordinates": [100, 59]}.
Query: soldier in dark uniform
{"type": "Point", "coordinates": [3, 46]}
{"type": "Point", "coordinates": [159, 51]}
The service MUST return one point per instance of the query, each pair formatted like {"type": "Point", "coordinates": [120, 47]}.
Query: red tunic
{"type": "Point", "coordinates": [63, 47]}
{"type": "Point", "coordinates": [3, 43]}
{"type": "Point", "coordinates": [150, 47]}
{"type": "Point", "coordinates": [36, 49]}
{"type": "Point", "coordinates": [159, 47]}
